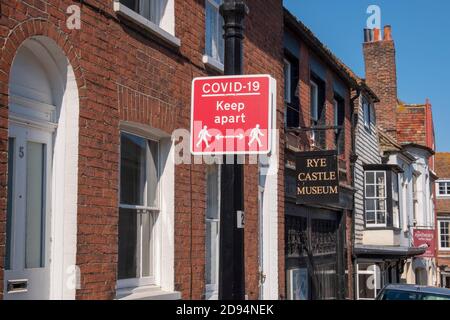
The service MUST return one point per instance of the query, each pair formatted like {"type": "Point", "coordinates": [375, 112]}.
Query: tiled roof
{"type": "Point", "coordinates": [387, 143]}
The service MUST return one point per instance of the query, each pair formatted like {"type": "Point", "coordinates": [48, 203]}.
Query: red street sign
{"type": "Point", "coordinates": [232, 114]}
{"type": "Point", "coordinates": [424, 238]}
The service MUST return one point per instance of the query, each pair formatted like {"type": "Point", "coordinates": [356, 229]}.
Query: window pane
{"type": "Point", "coordinates": [314, 102]}
{"type": "Point", "coordinates": [128, 244]}
{"type": "Point", "coordinates": [147, 223]}
{"type": "Point", "coordinates": [381, 205]}
{"type": "Point", "coordinates": [9, 215]}
{"type": "Point", "coordinates": [212, 225]}
{"type": "Point", "coordinates": [132, 4]}
{"type": "Point", "coordinates": [366, 286]}
{"type": "Point", "coordinates": [370, 177]}
{"type": "Point", "coordinates": [132, 169]}
{"type": "Point", "coordinates": [209, 28]}
{"type": "Point", "coordinates": [370, 191]}
{"type": "Point", "coordinates": [381, 218]}
{"type": "Point", "coordinates": [370, 205]}
{"type": "Point", "coordinates": [287, 79]}
{"type": "Point", "coordinates": [145, 9]}
{"type": "Point", "coordinates": [381, 191]}
{"type": "Point", "coordinates": [35, 205]}
{"type": "Point", "coordinates": [395, 186]}
{"type": "Point", "coordinates": [442, 188]}
{"type": "Point", "coordinates": [212, 256]}
{"type": "Point", "coordinates": [370, 217]}
{"type": "Point", "coordinates": [212, 197]}
{"type": "Point", "coordinates": [153, 175]}
{"type": "Point", "coordinates": [380, 178]}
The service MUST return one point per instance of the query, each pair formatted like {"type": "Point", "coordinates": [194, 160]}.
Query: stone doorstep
{"type": "Point", "coordinates": [147, 293]}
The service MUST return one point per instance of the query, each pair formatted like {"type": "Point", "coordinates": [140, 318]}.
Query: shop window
{"type": "Point", "coordinates": [214, 42]}
{"type": "Point", "coordinates": [138, 209]}
{"type": "Point", "coordinates": [444, 234]}
{"type": "Point", "coordinates": [369, 281]}
{"type": "Point", "coordinates": [212, 232]}
{"type": "Point", "coordinates": [443, 188]}
{"type": "Point", "coordinates": [382, 199]}
{"type": "Point", "coordinates": [291, 92]}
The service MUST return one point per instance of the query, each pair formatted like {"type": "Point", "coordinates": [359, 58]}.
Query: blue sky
{"type": "Point", "coordinates": [421, 31]}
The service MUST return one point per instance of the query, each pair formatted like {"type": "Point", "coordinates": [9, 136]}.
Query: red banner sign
{"type": "Point", "coordinates": [232, 115]}
{"type": "Point", "coordinates": [425, 238]}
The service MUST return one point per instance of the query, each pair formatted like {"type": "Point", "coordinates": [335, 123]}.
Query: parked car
{"type": "Point", "coordinates": [412, 292]}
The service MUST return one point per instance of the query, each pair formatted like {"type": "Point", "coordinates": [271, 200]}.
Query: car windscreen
{"type": "Point", "coordinates": [408, 295]}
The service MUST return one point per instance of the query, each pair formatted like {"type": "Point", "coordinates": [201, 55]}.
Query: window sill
{"type": "Point", "coordinates": [146, 24]}
{"type": "Point", "coordinates": [213, 63]}
{"type": "Point", "coordinates": [147, 293]}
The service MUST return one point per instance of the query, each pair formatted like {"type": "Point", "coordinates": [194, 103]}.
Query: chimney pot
{"type": "Point", "coordinates": [367, 35]}
{"type": "Point", "coordinates": [376, 34]}
{"type": "Point", "coordinates": [387, 33]}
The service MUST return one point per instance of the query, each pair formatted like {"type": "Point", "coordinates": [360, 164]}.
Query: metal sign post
{"type": "Point", "coordinates": [231, 268]}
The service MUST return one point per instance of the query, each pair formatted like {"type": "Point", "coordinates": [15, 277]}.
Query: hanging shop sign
{"type": "Point", "coordinates": [317, 177]}
{"type": "Point", "coordinates": [232, 115]}
{"type": "Point", "coordinates": [424, 238]}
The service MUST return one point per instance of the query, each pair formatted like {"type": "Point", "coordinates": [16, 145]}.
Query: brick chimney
{"type": "Point", "coordinates": [381, 75]}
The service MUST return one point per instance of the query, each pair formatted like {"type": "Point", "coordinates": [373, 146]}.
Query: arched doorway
{"type": "Point", "coordinates": [42, 179]}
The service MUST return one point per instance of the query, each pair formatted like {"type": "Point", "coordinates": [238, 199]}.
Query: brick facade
{"type": "Point", "coordinates": [381, 77]}
{"type": "Point", "coordinates": [442, 165]}
{"type": "Point", "coordinates": [312, 51]}
{"type": "Point", "coordinates": [126, 74]}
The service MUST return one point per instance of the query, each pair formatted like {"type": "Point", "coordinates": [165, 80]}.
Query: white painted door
{"type": "Point", "coordinates": [28, 235]}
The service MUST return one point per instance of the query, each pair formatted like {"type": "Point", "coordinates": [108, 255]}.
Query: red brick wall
{"type": "Point", "coordinates": [154, 81]}
{"type": "Point", "coordinates": [411, 124]}
{"type": "Point", "coordinates": [381, 77]}
{"type": "Point", "coordinates": [442, 168]}
{"type": "Point", "coordinates": [263, 53]}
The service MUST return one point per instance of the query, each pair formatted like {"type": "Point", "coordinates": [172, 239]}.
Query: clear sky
{"type": "Point", "coordinates": [421, 31]}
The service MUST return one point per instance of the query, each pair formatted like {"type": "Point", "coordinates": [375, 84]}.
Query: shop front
{"type": "Point", "coordinates": [315, 228]}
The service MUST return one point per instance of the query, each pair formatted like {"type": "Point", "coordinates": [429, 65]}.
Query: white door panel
{"type": "Point", "coordinates": [27, 272]}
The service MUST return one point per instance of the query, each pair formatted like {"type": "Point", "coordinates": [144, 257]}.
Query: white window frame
{"type": "Point", "coordinates": [375, 275]}
{"type": "Point", "coordinates": [376, 224]}
{"type": "Point", "coordinates": [439, 233]}
{"type": "Point", "coordinates": [216, 58]}
{"type": "Point", "coordinates": [163, 27]}
{"type": "Point", "coordinates": [151, 280]}
{"type": "Point", "coordinates": [211, 289]}
{"type": "Point", "coordinates": [447, 186]}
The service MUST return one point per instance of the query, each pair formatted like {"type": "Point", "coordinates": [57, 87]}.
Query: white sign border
{"type": "Point", "coordinates": [271, 115]}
